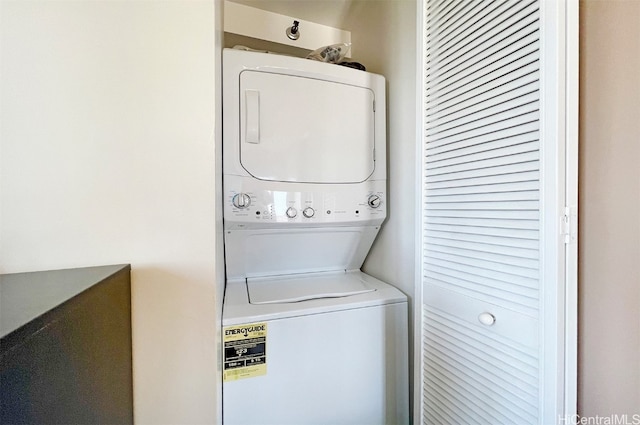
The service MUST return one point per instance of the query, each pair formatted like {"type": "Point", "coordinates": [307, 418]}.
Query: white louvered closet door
{"type": "Point", "coordinates": [481, 253]}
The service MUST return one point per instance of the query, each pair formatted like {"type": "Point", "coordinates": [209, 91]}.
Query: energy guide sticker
{"type": "Point", "coordinates": [245, 351]}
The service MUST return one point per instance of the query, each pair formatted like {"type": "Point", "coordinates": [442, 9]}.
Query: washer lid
{"type": "Point", "coordinates": [296, 288]}
{"type": "Point", "coordinates": [238, 309]}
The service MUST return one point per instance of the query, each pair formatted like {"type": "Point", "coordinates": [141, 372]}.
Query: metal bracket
{"type": "Point", "coordinates": [570, 224]}
{"type": "Point", "coordinates": [293, 32]}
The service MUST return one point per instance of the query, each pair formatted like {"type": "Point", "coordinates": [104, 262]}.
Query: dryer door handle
{"type": "Point", "coordinates": [252, 118]}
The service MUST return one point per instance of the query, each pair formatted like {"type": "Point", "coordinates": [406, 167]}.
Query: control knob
{"type": "Point", "coordinates": [291, 212]}
{"type": "Point", "coordinates": [308, 212]}
{"type": "Point", "coordinates": [241, 200]}
{"type": "Point", "coordinates": [374, 201]}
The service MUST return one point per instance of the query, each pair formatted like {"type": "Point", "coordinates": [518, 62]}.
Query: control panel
{"type": "Point", "coordinates": [247, 208]}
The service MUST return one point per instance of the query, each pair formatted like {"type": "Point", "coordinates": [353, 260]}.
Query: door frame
{"type": "Point", "coordinates": [559, 193]}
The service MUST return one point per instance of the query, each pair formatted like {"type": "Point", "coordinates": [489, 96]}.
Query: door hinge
{"type": "Point", "coordinates": [570, 224]}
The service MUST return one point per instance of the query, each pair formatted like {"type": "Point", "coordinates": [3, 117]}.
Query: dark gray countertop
{"type": "Point", "coordinates": [25, 297]}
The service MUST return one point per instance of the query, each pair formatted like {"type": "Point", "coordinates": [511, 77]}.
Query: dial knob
{"type": "Point", "coordinates": [241, 200]}
{"type": "Point", "coordinates": [374, 201]}
{"type": "Point", "coordinates": [291, 212]}
{"type": "Point", "coordinates": [308, 212]}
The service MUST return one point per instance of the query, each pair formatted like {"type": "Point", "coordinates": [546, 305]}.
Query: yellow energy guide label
{"type": "Point", "coordinates": [245, 351]}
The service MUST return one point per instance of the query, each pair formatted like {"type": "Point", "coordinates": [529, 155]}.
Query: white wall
{"type": "Point", "coordinates": [384, 36]}
{"type": "Point", "coordinates": [107, 156]}
{"type": "Point", "coordinates": [219, 249]}
{"type": "Point", "coordinates": [609, 247]}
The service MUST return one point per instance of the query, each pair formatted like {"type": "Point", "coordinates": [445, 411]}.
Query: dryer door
{"type": "Point", "coordinates": [299, 129]}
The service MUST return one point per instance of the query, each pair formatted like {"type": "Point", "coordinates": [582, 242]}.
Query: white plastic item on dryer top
{"type": "Point", "coordinates": [308, 338]}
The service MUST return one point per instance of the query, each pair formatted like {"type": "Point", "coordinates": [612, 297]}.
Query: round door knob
{"type": "Point", "coordinates": [374, 201]}
{"type": "Point", "coordinates": [241, 200]}
{"type": "Point", "coordinates": [291, 212]}
{"type": "Point", "coordinates": [487, 319]}
{"type": "Point", "coordinates": [308, 212]}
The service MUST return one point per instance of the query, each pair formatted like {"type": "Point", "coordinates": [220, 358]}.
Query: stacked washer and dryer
{"type": "Point", "coordinates": [308, 338]}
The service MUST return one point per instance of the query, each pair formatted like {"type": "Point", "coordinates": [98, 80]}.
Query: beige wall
{"type": "Point", "coordinates": [107, 156]}
{"type": "Point", "coordinates": [384, 36]}
{"type": "Point", "coordinates": [107, 117]}
{"type": "Point", "coordinates": [609, 248]}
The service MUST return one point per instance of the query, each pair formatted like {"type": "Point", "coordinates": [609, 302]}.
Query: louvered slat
{"type": "Point", "coordinates": [492, 214]}
{"type": "Point", "coordinates": [509, 120]}
{"type": "Point", "coordinates": [527, 176]}
{"type": "Point", "coordinates": [493, 380]}
{"type": "Point", "coordinates": [485, 264]}
{"type": "Point", "coordinates": [488, 223]}
{"type": "Point", "coordinates": [481, 211]}
{"type": "Point", "coordinates": [479, 28]}
{"type": "Point", "coordinates": [501, 279]}
{"type": "Point", "coordinates": [525, 185]}
{"type": "Point", "coordinates": [512, 35]}
{"type": "Point", "coordinates": [483, 230]}
{"type": "Point", "coordinates": [468, 254]}
{"type": "Point", "coordinates": [501, 104]}
{"type": "Point", "coordinates": [507, 134]}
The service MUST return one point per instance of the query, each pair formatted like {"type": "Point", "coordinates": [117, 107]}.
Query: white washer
{"type": "Point", "coordinates": [329, 361]}
{"type": "Point", "coordinates": [308, 338]}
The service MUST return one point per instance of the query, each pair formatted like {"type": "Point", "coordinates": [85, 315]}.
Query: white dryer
{"type": "Point", "coordinates": [308, 338]}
